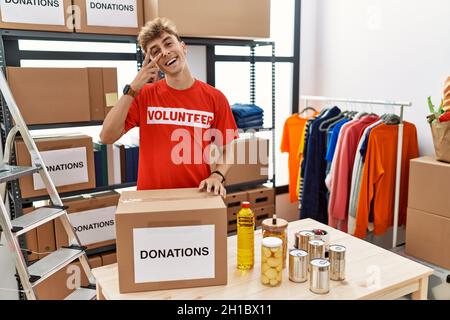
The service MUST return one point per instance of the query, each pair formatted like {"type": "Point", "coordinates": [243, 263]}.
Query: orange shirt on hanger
{"type": "Point", "coordinates": [378, 180]}
{"type": "Point", "coordinates": [293, 134]}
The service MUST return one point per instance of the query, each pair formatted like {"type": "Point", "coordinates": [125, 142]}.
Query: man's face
{"type": "Point", "coordinates": [173, 58]}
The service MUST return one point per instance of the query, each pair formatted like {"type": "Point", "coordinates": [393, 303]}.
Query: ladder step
{"type": "Point", "coordinates": [82, 294]}
{"type": "Point", "coordinates": [8, 173]}
{"type": "Point", "coordinates": [35, 219]}
{"type": "Point", "coordinates": [52, 263]}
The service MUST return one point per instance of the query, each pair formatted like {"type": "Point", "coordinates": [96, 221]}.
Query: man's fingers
{"type": "Point", "coordinates": [223, 191]}
{"type": "Point", "coordinates": [217, 188]}
{"type": "Point", "coordinates": [155, 60]}
{"type": "Point", "coordinates": [209, 186]}
{"type": "Point", "coordinates": [146, 60]}
{"type": "Point", "coordinates": [202, 185]}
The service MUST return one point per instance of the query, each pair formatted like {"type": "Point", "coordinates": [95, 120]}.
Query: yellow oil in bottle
{"type": "Point", "coordinates": [245, 237]}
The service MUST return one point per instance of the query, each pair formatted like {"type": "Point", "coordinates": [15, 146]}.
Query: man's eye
{"type": "Point", "coordinates": [155, 52]}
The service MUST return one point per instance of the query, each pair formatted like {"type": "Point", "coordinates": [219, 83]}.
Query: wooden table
{"type": "Point", "coordinates": [371, 273]}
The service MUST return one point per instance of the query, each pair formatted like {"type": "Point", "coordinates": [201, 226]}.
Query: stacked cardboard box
{"type": "Point", "coordinates": [64, 282]}
{"type": "Point", "coordinates": [262, 202]}
{"type": "Point", "coordinates": [31, 15]}
{"type": "Point", "coordinates": [428, 220]}
{"type": "Point", "coordinates": [69, 160]}
{"type": "Point", "coordinates": [214, 18]}
{"type": "Point", "coordinates": [92, 217]}
{"type": "Point", "coordinates": [62, 95]}
{"type": "Point", "coordinates": [108, 17]}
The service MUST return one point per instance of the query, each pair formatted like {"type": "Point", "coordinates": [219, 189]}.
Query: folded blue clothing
{"type": "Point", "coordinates": [245, 122]}
{"type": "Point", "coordinates": [251, 118]}
{"type": "Point", "coordinates": [246, 110]}
{"type": "Point", "coordinates": [250, 124]}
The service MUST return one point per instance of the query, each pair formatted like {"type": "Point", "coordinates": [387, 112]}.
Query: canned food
{"type": "Point", "coordinates": [298, 265]}
{"type": "Point", "coordinates": [316, 249]}
{"type": "Point", "coordinates": [302, 239]}
{"type": "Point", "coordinates": [320, 276]}
{"type": "Point", "coordinates": [320, 234]}
{"type": "Point", "coordinates": [337, 262]}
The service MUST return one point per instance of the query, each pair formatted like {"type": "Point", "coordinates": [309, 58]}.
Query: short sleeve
{"type": "Point", "coordinates": [133, 115]}
{"type": "Point", "coordinates": [224, 121]}
{"type": "Point", "coordinates": [285, 138]}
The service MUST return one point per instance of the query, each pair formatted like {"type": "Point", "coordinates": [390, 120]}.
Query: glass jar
{"type": "Point", "coordinates": [274, 227]}
{"type": "Point", "coordinates": [271, 261]}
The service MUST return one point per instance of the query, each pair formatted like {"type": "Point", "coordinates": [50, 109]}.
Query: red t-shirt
{"type": "Point", "coordinates": [176, 129]}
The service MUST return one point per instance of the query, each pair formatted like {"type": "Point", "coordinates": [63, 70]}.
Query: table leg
{"type": "Point", "coordinates": [100, 295]}
{"type": "Point", "coordinates": [422, 293]}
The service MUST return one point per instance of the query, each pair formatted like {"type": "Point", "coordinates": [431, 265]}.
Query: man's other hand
{"type": "Point", "coordinates": [213, 184]}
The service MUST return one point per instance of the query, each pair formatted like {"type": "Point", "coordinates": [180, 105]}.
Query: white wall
{"type": "Point", "coordinates": [378, 49]}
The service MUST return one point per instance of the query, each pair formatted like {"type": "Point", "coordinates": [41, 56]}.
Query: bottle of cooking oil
{"type": "Point", "coordinates": [245, 237]}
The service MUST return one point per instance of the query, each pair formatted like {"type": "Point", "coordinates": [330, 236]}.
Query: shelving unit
{"type": "Point", "coordinates": [11, 55]}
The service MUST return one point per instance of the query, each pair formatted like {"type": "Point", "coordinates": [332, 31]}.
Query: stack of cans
{"type": "Point", "coordinates": [309, 256]}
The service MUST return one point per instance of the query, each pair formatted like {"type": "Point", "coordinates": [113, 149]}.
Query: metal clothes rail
{"type": "Point", "coordinates": [399, 104]}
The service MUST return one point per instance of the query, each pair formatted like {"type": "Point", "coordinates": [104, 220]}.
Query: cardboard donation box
{"type": "Point", "coordinates": [69, 161]}
{"type": "Point", "coordinates": [93, 219]}
{"type": "Point", "coordinates": [214, 18]}
{"type": "Point", "coordinates": [250, 161]}
{"type": "Point", "coordinates": [124, 17]}
{"type": "Point", "coordinates": [169, 239]}
{"type": "Point", "coordinates": [36, 15]}
{"type": "Point", "coordinates": [63, 95]}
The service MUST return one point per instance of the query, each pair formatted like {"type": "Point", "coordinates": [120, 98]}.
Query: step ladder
{"type": "Point", "coordinates": [31, 276]}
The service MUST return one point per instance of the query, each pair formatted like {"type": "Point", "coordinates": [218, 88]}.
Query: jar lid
{"type": "Point", "coordinates": [320, 263]}
{"type": "Point", "coordinates": [316, 242]}
{"type": "Point", "coordinates": [337, 248]}
{"type": "Point", "coordinates": [279, 226]}
{"type": "Point", "coordinates": [272, 242]}
{"type": "Point", "coordinates": [306, 233]}
{"type": "Point", "coordinates": [298, 253]}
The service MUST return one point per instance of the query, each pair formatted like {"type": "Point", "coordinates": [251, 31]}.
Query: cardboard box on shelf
{"type": "Point", "coordinates": [26, 15]}
{"type": "Point", "coordinates": [69, 160]}
{"type": "Point", "coordinates": [429, 180]}
{"type": "Point", "coordinates": [160, 230]}
{"type": "Point", "coordinates": [250, 161]}
{"type": "Point", "coordinates": [263, 213]}
{"type": "Point", "coordinates": [46, 239]}
{"type": "Point", "coordinates": [261, 197]}
{"type": "Point", "coordinates": [428, 237]}
{"type": "Point", "coordinates": [31, 239]}
{"type": "Point", "coordinates": [64, 282]}
{"type": "Point", "coordinates": [92, 217]}
{"type": "Point", "coordinates": [109, 258]}
{"type": "Point", "coordinates": [214, 18]}
{"type": "Point", "coordinates": [89, 93]}
{"type": "Point", "coordinates": [36, 91]}
{"type": "Point", "coordinates": [234, 200]}
{"type": "Point", "coordinates": [110, 17]}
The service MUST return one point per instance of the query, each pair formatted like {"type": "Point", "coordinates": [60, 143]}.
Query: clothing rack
{"type": "Point", "coordinates": [399, 104]}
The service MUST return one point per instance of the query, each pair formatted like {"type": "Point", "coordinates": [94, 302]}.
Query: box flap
{"type": "Point", "coordinates": [167, 200]}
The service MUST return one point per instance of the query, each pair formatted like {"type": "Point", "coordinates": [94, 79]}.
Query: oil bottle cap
{"type": "Point", "coordinates": [245, 204]}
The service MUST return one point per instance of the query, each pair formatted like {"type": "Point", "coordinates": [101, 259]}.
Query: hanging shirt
{"type": "Point", "coordinates": [302, 152]}
{"type": "Point", "coordinates": [356, 179]}
{"type": "Point", "coordinates": [175, 131]}
{"type": "Point", "coordinates": [339, 199]}
{"type": "Point", "coordinates": [290, 142]}
{"type": "Point", "coordinates": [334, 137]}
{"type": "Point", "coordinates": [314, 189]}
{"type": "Point", "coordinates": [378, 179]}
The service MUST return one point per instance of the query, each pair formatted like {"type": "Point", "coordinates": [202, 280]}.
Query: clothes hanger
{"type": "Point", "coordinates": [306, 109]}
{"type": "Point", "coordinates": [338, 117]}
{"type": "Point", "coordinates": [392, 119]}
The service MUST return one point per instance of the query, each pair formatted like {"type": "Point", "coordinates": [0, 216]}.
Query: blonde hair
{"type": "Point", "coordinates": [153, 30]}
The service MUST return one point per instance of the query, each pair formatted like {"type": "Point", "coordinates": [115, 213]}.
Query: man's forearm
{"type": "Point", "coordinates": [114, 123]}
{"type": "Point", "coordinates": [224, 163]}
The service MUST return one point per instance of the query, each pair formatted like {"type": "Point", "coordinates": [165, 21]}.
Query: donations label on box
{"type": "Point", "coordinates": [65, 166]}
{"type": "Point", "coordinates": [174, 253]}
{"type": "Point", "coordinates": [33, 12]}
{"type": "Point", "coordinates": [112, 13]}
{"type": "Point", "coordinates": [94, 225]}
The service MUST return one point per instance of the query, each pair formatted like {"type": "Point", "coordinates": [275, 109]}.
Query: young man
{"type": "Point", "coordinates": [178, 117]}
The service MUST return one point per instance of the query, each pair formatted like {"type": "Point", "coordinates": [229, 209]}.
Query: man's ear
{"type": "Point", "coordinates": [184, 47]}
